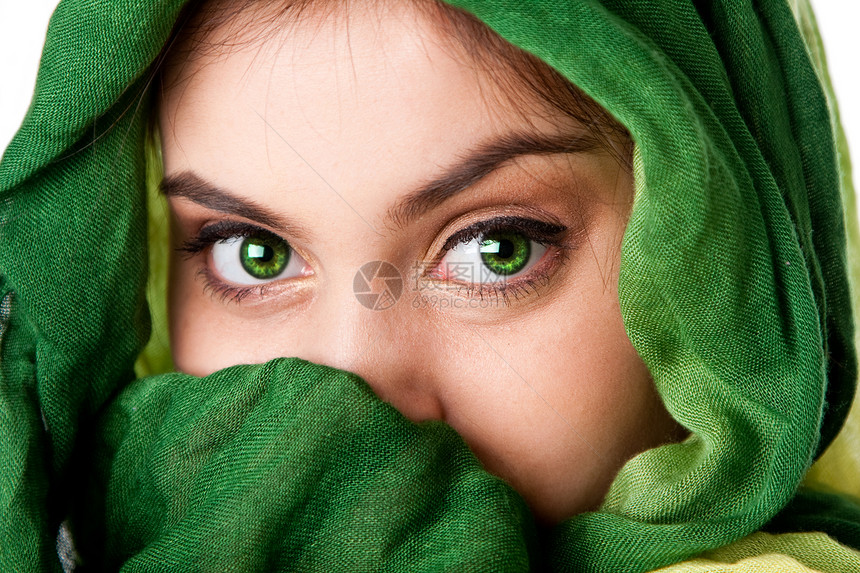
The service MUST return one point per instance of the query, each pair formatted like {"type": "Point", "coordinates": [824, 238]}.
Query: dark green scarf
{"type": "Point", "coordinates": [733, 289]}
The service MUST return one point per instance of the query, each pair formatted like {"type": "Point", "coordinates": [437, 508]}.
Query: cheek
{"type": "Point", "coordinates": [557, 402]}
{"type": "Point", "coordinates": [194, 326]}
{"type": "Point", "coordinates": [207, 334]}
{"type": "Point", "coordinates": [560, 414]}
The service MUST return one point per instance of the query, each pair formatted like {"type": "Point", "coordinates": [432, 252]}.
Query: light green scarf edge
{"type": "Point", "coordinates": [156, 357]}
{"type": "Point", "coordinates": [839, 467]}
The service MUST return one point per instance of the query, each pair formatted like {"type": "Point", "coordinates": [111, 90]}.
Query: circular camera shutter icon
{"type": "Point", "coordinates": [377, 285]}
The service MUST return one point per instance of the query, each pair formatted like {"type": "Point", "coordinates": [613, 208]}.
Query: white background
{"type": "Point", "coordinates": [23, 24]}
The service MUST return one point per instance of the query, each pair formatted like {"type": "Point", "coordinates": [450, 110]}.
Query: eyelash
{"type": "Point", "coordinates": [208, 236]}
{"type": "Point", "coordinates": [546, 234]}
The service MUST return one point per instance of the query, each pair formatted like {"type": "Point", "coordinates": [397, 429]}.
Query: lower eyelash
{"type": "Point", "coordinates": [517, 288]}
{"type": "Point", "coordinates": [225, 292]}
{"type": "Point", "coordinates": [524, 287]}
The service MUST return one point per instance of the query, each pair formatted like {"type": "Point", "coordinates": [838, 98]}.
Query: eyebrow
{"type": "Point", "coordinates": [468, 170]}
{"type": "Point", "coordinates": [480, 162]}
{"type": "Point", "coordinates": [190, 186]}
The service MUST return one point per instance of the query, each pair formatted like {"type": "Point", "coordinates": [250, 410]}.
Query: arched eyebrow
{"type": "Point", "coordinates": [193, 187]}
{"type": "Point", "coordinates": [471, 168]}
{"type": "Point", "coordinates": [480, 162]}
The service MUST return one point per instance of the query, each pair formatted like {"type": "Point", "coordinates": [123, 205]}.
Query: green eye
{"type": "Point", "coordinates": [264, 256]}
{"type": "Point", "coordinates": [505, 253]}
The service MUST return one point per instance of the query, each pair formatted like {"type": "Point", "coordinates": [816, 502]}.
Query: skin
{"type": "Point", "coordinates": [329, 134]}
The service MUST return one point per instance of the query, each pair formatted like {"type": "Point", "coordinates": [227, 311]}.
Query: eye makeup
{"type": "Point", "coordinates": [514, 253]}
{"type": "Point", "coordinates": [502, 257]}
{"type": "Point", "coordinates": [262, 260]}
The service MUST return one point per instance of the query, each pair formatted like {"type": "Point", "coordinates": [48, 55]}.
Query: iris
{"type": "Point", "coordinates": [505, 253]}
{"type": "Point", "coordinates": [264, 256]}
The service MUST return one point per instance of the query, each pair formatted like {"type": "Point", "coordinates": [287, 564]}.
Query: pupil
{"type": "Point", "coordinates": [506, 249]}
{"type": "Point", "coordinates": [505, 253]}
{"type": "Point", "coordinates": [262, 253]}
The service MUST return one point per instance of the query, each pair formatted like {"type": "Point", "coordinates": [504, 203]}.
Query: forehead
{"type": "Point", "coordinates": [367, 102]}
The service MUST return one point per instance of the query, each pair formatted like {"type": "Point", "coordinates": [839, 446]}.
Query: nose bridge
{"type": "Point", "coordinates": [376, 343]}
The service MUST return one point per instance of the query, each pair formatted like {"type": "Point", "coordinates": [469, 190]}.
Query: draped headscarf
{"type": "Point", "coordinates": [733, 289]}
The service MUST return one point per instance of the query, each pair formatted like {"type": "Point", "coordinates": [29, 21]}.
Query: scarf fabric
{"type": "Point", "coordinates": [733, 289]}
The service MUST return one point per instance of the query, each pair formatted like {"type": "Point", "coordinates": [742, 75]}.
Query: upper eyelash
{"type": "Point", "coordinates": [535, 230]}
{"type": "Point", "coordinates": [538, 231]}
{"type": "Point", "coordinates": [216, 232]}
{"type": "Point", "coordinates": [208, 236]}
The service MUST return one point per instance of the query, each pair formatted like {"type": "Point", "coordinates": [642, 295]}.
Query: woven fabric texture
{"type": "Point", "coordinates": [734, 290]}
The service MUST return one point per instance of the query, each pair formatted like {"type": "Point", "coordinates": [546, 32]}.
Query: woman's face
{"type": "Point", "coordinates": [294, 161]}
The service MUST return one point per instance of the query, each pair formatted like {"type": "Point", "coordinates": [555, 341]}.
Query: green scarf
{"type": "Point", "coordinates": [733, 289]}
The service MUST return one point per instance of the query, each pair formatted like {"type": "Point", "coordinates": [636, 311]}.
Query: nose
{"type": "Point", "coordinates": [383, 344]}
